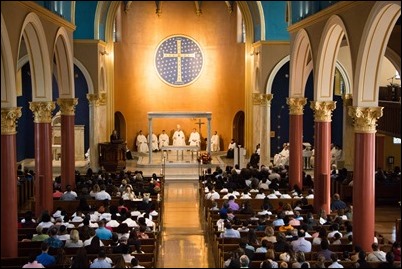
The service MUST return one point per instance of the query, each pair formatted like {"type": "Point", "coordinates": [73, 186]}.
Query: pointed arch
{"type": "Point", "coordinates": [394, 58]}
{"type": "Point", "coordinates": [275, 70]}
{"type": "Point", "coordinates": [8, 87]}
{"type": "Point", "coordinates": [34, 37]}
{"type": "Point", "coordinates": [300, 64]}
{"type": "Point", "coordinates": [330, 43]}
{"type": "Point", "coordinates": [86, 74]}
{"type": "Point", "coordinates": [65, 70]}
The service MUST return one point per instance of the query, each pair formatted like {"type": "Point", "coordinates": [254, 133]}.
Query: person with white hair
{"type": "Point", "coordinates": [282, 158]}
{"type": "Point", "coordinates": [178, 137]}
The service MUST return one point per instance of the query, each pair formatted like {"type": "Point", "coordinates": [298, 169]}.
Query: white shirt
{"type": "Point", "coordinates": [163, 140]}
{"type": "Point", "coordinates": [102, 195]}
{"type": "Point", "coordinates": [154, 141]}
{"type": "Point", "coordinates": [142, 143]}
{"type": "Point", "coordinates": [215, 143]}
{"type": "Point", "coordinates": [194, 139]}
{"type": "Point", "coordinates": [179, 138]}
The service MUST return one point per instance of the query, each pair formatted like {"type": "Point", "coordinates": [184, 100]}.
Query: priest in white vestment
{"type": "Point", "coordinates": [154, 142]}
{"type": "Point", "coordinates": [195, 138]}
{"type": "Point", "coordinates": [215, 142]}
{"type": "Point", "coordinates": [282, 158]}
{"type": "Point", "coordinates": [178, 137]}
{"type": "Point", "coordinates": [163, 139]}
{"type": "Point", "coordinates": [142, 143]}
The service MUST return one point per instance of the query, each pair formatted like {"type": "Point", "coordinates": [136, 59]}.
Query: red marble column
{"type": "Point", "coordinates": [67, 151]}
{"type": "Point", "coordinates": [9, 202]}
{"type": "Point", "coordinates": [43, 186]}
{"type": "Point", "coordinates": [322, 166]}
{"type": "Point", "coordinates": [67, 107]}
{"type": "Point", "coordinates": [296, 106]}
{"type": "Point", "coordinates": [322, 155]}
{"type": "Point", "coordinates": [43, 168]}
{"type": "Point", "coordinates": [364, 174]}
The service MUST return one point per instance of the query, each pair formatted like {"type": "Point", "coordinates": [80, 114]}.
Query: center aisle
{"type": "Point", "coordinates": [183, 241]}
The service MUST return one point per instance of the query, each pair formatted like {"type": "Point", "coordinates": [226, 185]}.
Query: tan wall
{"type": "Point", "coordinates": [219, 89]}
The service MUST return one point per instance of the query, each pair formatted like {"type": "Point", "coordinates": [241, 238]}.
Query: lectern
{"type": "Point", "coordinates": [112, 156]}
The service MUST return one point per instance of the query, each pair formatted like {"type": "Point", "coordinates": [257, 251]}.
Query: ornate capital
{"type": "Point", "coordinates": [347, 99]}
{"type": "Point", "coordinates": [262, 98]}
{"type": "Point", "coordinates": [323, 110]}
{"type": "Point", "coordinates": [97, 99]}
{"type": "Point", "coordinates": [9, 117]}
{"type": "Point", "coordinates": [365, 118]}
{"type": "Point", "coordinates": [67, 105]}
{"type": "Point", "coordinates": [296, 105]}
{"type": "Point", "coordinates": [42, 111]}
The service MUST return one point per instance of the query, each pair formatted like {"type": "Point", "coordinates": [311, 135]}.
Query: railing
{"type": "Point", "coordinates": [390, 122]}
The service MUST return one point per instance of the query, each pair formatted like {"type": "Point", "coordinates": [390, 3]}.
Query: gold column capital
{"type": "Point", "coordinates": [96, 99]}
{"type": "Point", "coordinates": [42, 111]}
{"type": "Point", "coordinates": [365, 118]}
{"type": "Point", "coordinates": [67, 105]}
{"type": "Point", "coordinates": [262, 98]}
{"type": "Point", "coordinates": [9, 117]}
{"type": "Point", "coordinates": [323, 110]}
{"type": "Point", "coordinates": [347, 99]}
{"type": "Point", "coordinates": [296, 105]}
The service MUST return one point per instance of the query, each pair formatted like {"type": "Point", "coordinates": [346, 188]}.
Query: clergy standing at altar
{"type": "Point", "coordinates": [178, 137]}
{"type": "Point", "coordinates": [215, 142]}
{"type": "Point", "coordinates": [142, 143]}
{"type": "Point", "coordinates": [154, 142]}
{"type": "Point", "coordinates": [163, 139]}
{"type": "Point", "coordinates": [195, 138]}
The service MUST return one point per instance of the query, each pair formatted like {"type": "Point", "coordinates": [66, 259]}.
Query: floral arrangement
{"type": "Point", "coordinates": [205, 158]}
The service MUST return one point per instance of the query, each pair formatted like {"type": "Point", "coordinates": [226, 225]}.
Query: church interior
{"type": "Point", "coordinates": [289, 82]}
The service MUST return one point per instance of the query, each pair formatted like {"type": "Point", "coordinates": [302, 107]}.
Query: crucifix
{"type": "Point", "coordinates": [199, 125]}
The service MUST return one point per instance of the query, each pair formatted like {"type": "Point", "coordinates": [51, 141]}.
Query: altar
{"type": "Point", "coordinates": [193, 149]}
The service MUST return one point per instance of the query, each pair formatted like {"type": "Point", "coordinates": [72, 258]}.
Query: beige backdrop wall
{"type": "Point", "coordinates": [219, 89]}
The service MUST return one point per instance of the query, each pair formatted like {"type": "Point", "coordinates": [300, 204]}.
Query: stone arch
{"type": "Point", "coordinates": [394, 58]}
{"type": "Point", "coordinates": [345, 76]}
{"type": "Point", "coordinates": [372, 48]}
{"type": "Point", "coordinates": [8, 87]}
{"type": "Point", "coordinates": [64, 64]}
{"type": "Point", "coordinates": [300, 64]}
{"type": "Point", "coordinates": [35, 41]}
{"type": "Point", "coordinates": [275, 70]}
{"type": "Point", "coordinates": [330, 43]}
{"type": "Point", "coordinates": [86, 74]}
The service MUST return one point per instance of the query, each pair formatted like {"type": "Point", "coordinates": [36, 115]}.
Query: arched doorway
{"type": "Point", "coordinates": [120, 125]}
{"type": "Point", "coordinates": [238, 128]}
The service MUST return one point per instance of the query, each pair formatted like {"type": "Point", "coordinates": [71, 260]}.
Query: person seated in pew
{"type": "Point", "coordinates": [32, 262]}
{"type": "Point", "coordinates": [135, 263]}
{"type": "Point", "coordinates": [102, 261]}
{"type": "Point", "coordinates": [45, 258]}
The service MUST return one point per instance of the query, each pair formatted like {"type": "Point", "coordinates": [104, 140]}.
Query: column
{"type": "Point", "coordinates": [257, 121]}
{"type": "Point", "coordinates": [67, 109]}
{"type": "Point", "coordinates": [264, 102]}
{"type": "Point", "coordinates": [322, 161]}
{"type": "Point", "coordinates": [9, 216]}
{"type": "Point", "coordinates": [95, 129]}
{"type": "Point", "coordinates": [43, 186]}
{"type": "Point", "coordinates": [150, 140]}
{"type": "Point", "coordinates": [365, 122]}
{"type": "Point", "coordinates": [296, 106]}
{"type": "Point", "coordinates": [348, 132]}
{"type": "Point", "coordinates": [209, 136]}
